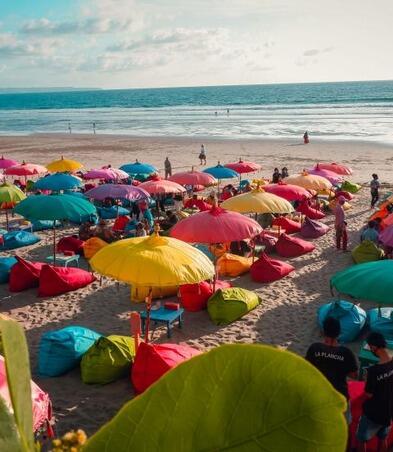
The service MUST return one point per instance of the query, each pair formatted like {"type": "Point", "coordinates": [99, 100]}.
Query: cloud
{"type": "Point", "coordinates": [11, 46]}
{"type": "Point", "coordinates": [314, 52]}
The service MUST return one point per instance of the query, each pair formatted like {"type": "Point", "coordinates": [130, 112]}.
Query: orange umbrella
{"type": "Point", "coordinates": [162, 186]}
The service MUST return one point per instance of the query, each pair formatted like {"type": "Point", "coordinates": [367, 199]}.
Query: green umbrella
{"type": "Point", "coordinates": [55, 207]}
{"type": "Point", "coordinates": [9, 196]}
{"type": "Point", "coordinates": [370, 281]}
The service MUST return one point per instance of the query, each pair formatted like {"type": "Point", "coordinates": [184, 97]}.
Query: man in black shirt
{"type": "Point", "coordinates": [333, 360]}
{"type": "Point", "coordinates": [378, 408]}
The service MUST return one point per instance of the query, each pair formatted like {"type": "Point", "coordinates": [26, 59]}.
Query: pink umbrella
{"type": "Point", "coordinates": [243, 167]}
{"type": "Point", "coordinates": [386, 236]}
{"type": "Point", "coordinates": [193, 178]}
{"type": "Point", "coordinates": [106, 174]}
{"type": "Point", "coordinates": [6, 163]}
{"type": "Point", "coordinates": [287, 191]}
{"type": "Point", "coordinates": [116, 191]}
{"type": "Point", "coordinates": [215, 226]}
{"type": "Point", "coordinates": [161, 186]}
{"type": "Point", "coordinates": [331, 176]}
{"type": "Point", "coordinates": [25, 169]}
{"type": "Point", "coordinates": [336, 168]}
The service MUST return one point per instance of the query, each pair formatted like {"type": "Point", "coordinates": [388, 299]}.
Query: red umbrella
{"type": "Point", "coordinates": [25, 169]}
{"type": "Point", "coordinates": [336, 168]}
{"type": "Point", "coordinates": [161, 186]}
{"type": "Point", "coordinates": [215, 226]}
{"type": "Point", "coordinates": [243, 167]}
{"type": "Point", "coordinates": [287, 191]}
{"type": "Point", "coordinates": [193, 178]}
{"type": "Point", "coordinates": [6, 163]}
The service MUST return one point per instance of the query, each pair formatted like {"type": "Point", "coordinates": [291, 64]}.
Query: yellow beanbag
{"type": "Point", "coordinates": [333, 204]}
{"type": "Point", "coordinates": [232, 265]}
{"type": "Point", "coordinates": [91, 246]}
{"type": "Point", "coordinates": [139, 293]}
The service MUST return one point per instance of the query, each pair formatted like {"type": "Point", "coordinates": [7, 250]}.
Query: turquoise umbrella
{"type": "Point", "coordinates": [370, 281]}
{"type": "Point", "coordinates": [138, 168]}
{"type": "Point", "coordinates": [57, 182]}
{"type": "Point", "coordinates": [55, 207]}
{"type": "Point", "coordinates": [221, 172]}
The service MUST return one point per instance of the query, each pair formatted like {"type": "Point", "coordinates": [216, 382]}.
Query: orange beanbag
{"type": "Point", "coordinates": [232, 265]}
{"type": "Point", "coordinates": [91, 246]}
{"type": "Point", "coordinates": [24, 275]}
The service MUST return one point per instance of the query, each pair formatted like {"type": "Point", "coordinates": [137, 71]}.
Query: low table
{"type": "Point", "coordinates": [163, 315]}
{"type": "Point", "coordinates": [367, 357]}
{"type": "Point", "coordinates": [62, 260]}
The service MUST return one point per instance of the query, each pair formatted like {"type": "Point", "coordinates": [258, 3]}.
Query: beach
{"type": "Point", "coordinates": [287, 315]}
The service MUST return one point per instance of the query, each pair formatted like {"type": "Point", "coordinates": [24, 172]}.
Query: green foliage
{"type": "Point", "coordinates": [235, 397]}
{"type": "Point", "coordinates": [9, 439]}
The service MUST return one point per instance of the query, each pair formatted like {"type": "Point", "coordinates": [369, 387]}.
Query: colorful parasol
{"type": "Point", "coordinates": [161, 186]}
{"type": "Point", "coordinates": [243, 167]}
{"type": "Point", "coordinates": [309, 181]}
{"type": "Point", "coordinates": [221, 172]}
{"type": "Point", "coordinates": [25, 169]}
{"type": "Point", "coordinates": [193, 178]}
{"type": "Point", "coordinates": [138, 168]}
{"type": "Point", "coordinates": [10, 195]}
{"type": "Point", "coordinates": [6, 163]}
{"type": "Point", "coordinates": [64, 166]}
{"type": "Point", "coordinates": [106, 174]}
{"type": "Point", "coordinates": [331, 176]}
{"type": "Point", "coordinates": [288, 191]}
{"type": "Point", "coordinates": [386, 236]}
{"type": "Point", "coordinates": [57, 182]}
{"type": "Point", "coordinates": [336, 168]}
{"type": "Point", "coordinates": [117, 191]}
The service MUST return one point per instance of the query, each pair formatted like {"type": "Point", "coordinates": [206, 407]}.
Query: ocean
{"type": "Point", "coordinates": [347, 110]}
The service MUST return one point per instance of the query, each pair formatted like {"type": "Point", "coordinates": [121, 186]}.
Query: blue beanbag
{"type": "Point", "coordinates": [109, 213]}
{"type": "Point", "coordinates": [61, 350]}
{"type": "Point", "coordinates": [41, 225]}
{"type": "Point", "coordinates": [352, 318]}
{"type": "Point", "coordinates": [205, 250]}
{"type": "Point", "coordinates": [17, 239]}
{"type": "Point", "coordinates": [6, 263]}
{"type": "Point", "coordinates": [380, 320]}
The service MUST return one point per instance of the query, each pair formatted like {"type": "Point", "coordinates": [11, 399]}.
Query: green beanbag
{"type": "Point", "coordinates": [367, 251]}
{"type": "Point", "coordinates": [228, 305]}
{"type": "Point", "coordinates": [350, 187]}
{"type": "Point", "coordinates": [107, 360]}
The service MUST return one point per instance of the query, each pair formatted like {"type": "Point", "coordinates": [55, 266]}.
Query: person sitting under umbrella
{"type": "Point", "coordinates": [85, 231]}
{"type": "Point", "coordinates": [170, 220]}
{"type": "Point", "coordinates": [104, 232]}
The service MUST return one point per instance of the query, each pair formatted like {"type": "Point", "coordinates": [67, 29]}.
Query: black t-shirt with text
{"type": "Point", "coordinates": [335, 362]}
{"type": "Point", "coordinates": [379, 408]}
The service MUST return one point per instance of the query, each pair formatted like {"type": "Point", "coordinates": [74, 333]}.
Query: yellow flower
{"type": "Point", "coordinates": [81, 436]}
{"type": "Point", "coordinates": [56, 443]}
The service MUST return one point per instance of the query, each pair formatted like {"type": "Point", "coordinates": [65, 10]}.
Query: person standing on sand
{"type": "Point", "coordinates": [377, 413]}
{"type": "Point", "coordinates": [168, 168]}
{"type": "Point", "coordinates": [341, 225]}
{"type": "Point", "coordinates": [374, 188]}
{"type": "Point", "coordinates": [202, 155]}
{"type": "Point", "coordinates": [306, 138]}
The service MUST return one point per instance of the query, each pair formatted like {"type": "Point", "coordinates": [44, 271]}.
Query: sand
{"type": "Point", "coordinates": [287, 315]}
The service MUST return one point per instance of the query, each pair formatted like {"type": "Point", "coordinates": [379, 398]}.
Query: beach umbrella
{"type": "Point", "coordinates": [387, 221]}
{"type": "Point", "coordinates": [138, 168]}
{"type": "Point", "coordinates": [309, 181]}
{"type": "Point", "coordinates": [257, 201]}
{"type": "Point", "coordinates": [57, 182]}
{"type": "Point", "coordinates": [10, 195]}
{"type": "Point", "coordinates": [6, 163]}
{"type": "Point", "coordinates": [243, 167]}
{"type": "Point", "coordinates": [162, 186]}
{"type": "Point", "coordinates": [25, 169]}
{"type": "Point", "coordinates": [369, 281]}
{"type": "Point", "coordinates": [336, 168]}
{"type": "Point", "coordinates": [386, 236]}
{"type": "Point", "coordinates": [331, 176]}
{"type": "Point", "coordinates": [106, 174]}
{"type": "Point", "coordinates": [193, 178]}
{"type": "Point", "coordinates": [117, 191]}
{"type": "Point", "coordinates": [215, 226]}
{"type": "Point", "coordinates": [55, 207]}
{"type": "Point", "coordinates": [288, 191]}
{"type": "Point", "coordinates": [221, 172]}
{"type": "Point", "coordinates": [64, 166]}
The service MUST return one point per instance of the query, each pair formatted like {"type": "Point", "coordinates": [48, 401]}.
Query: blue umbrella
{"type": "Point", "coordinates": [57, 181]}
{"type": "Point", "coordinates": [138, 168]}
{"type": "Point", "coordinates": [221, 172]}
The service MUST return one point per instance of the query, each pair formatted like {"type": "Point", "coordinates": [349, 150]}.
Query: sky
{"type": "Point", "coordinates": [157, 43]}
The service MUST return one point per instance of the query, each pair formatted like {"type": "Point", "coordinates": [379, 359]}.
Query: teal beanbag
{"type": "Point", "coordinates": [380, 320]}
{"type": "Point", "coordinates": [18, 239]}
{"type": "Point", "coordinates": [6, 263]}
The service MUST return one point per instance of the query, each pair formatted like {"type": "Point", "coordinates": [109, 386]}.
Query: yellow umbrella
{"type": "Point", "coordinates": [309, 182]}
{"type": "Point", "coordinates": [10, 195]}
{"type": "Point", "coordinates": [257, 201]}
{"type": "Point", "coordinates": [64, 166]}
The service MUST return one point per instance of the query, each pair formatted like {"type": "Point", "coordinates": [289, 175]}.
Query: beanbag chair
{"type": "Point", "coordinates": [333, 205]}
{"type": "Point", "coordinates": [232, 265]}
{"type": "Point", "coordinates": [73, 244]}
{"type": "Point", "coordinates": [91, 246]}
{"type": "Point", "coordinates": [61, 350]}
{"type": "Point", "coordinates": [350, 187]}
{"type": "Point", "coordinates": [6, 263]}
{"type": "Point", "coordinates": [40, 400]}
{"type": "Point", "coordinates": [57, 280]}
{"type": "Point", "coordinates": [152, 361]}
{"type": "Point", "coordinates": [348, 196]}
{"type": "Point", "coordinates": [18, 239]}
{"type": "Point", "coordinates": [228, 305]}
{"type": "Point", "coordinates": [380, 320]}
{"type": "Point", "coordinates": [290, 226]}
{"type": "Point", "coordinates": [24, 275]}
{"type": "Point", "coordinates": [312, 229]}
{"type": "Point", "coordinates": [267, 270]}
{"type": "Point", "coordinates": [121, 222]}
{"type": "Point", "coordinates": [310, 212]}
{"type": "Point", "coordinates": [107, 360]}
{"type": "Point", "coordinates": [109, 213]}
{"type": "Point", "coordinates": [352, 318]}
{"type": "Point", "coordinates": [194, 297]}
{"type": "Point", "coordinates": [42, 225]}
{"type": "Point", "coordinates": [139, 293]}
{"type": "Point", "coordinates": [367, 251]}
{"type": "Point", "coordinates": [287, 246]}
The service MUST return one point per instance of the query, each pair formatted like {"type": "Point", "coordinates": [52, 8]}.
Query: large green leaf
{"type": "Point", "coordinates": [9, 439]}
{"type": "Point", "coordinates": [235, 397]}
{"type": "Point", "coordinates": [18, 376]}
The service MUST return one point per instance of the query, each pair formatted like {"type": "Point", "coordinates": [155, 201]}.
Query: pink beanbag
{"type": "Point", "coordinates": [267, 270]}
{"type": "Point", "coordinates": [58, 280]}
{"type": "Point", "coordinates": [312, 229]}
{"type": "Point", "coordinates": [292, 246]}
{"type": "Point", "coordinates": [24, 275]}
{"type": "Point", "coordinates": [70, 244]}
{"type": "Point", "coordinates": [290, 226]}
{"type": "Point", "coordinates": [309, 212]}
{"type": "Point", "coordinates": [194, 296]}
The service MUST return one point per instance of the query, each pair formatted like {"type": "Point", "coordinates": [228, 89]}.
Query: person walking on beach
{"type": "Point", "coordinates": [374, 188]}
{"type": "Point", "coordinates": [341, 225]}
{"type": "Point", "coordinates": [377, 412]}
{"type": "Point", "coordinates": [306, 138]}
{"type": "Point", "coordinates": [168, 168]}
{"type": "Point", "coordinates": [69, 128]}
{"type": "Point", "coordinates": [202, 155]}
{"type": "Point", "coordinates": [333, 360]}
{"type": "Point", "coordinates": [94, 128]}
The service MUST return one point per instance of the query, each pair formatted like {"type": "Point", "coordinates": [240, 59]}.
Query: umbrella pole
{"type": "Point", "coordinates": [148, 309]}
{"type": "Point", "coordinates": [135, 320]}
{"type": "Point", "coordinates": [54, 243]}
{"type": "Point", "coordinates": [6, 219]}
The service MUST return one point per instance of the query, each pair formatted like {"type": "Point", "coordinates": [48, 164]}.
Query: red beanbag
{"type": "Point", "coordinates": [267, 270]}
{"type": "Point", "coordinates": [290, 226]}
{"type": "Point", "coordinates": [70, 244]}
{"type": "Point", "coordinates": [24, 275]}
{"type": "Point", "coordinates": [58, 280]}
{"type": "Point", "coordinates": [312, 229]}
{"type": "Point", "coordinates": [348, 196]}
{"type": "Point", "coordinates": [314, 214]}
{"type": "Point", "coordinates": [194, 296]}
{"type": "Point", "coordinates": [152, 361]}
{"type": "Point", "coordinates": [287, 246]}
